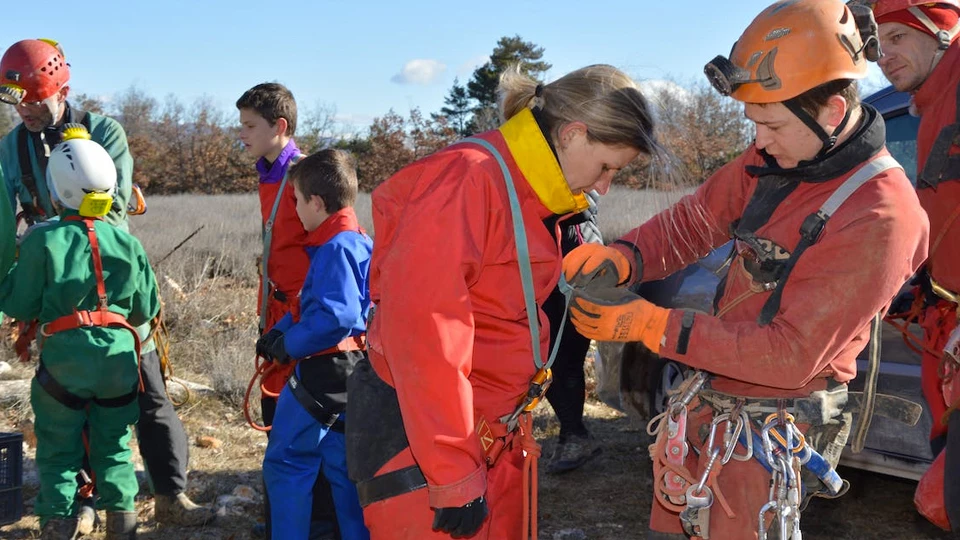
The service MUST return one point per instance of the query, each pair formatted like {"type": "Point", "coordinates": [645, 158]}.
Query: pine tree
{"type": "Point", "coordinates": [458, 109]}
{"type": "Point", "coordinates": [509, 51]}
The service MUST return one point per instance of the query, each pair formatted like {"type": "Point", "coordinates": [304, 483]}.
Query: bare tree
{"type": "Point", "coordinates": [319, 128]}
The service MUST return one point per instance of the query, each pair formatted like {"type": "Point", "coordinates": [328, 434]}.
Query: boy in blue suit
{"type": "Point", "coordinates": [327, 339]}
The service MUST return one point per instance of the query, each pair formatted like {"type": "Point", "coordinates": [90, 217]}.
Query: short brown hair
{"type": "Point", "coordinates": [272, 101]}
{"type": "Point", "coordinates": [814, 100]}
{"type": "Point", "coordinates": [330, 174]}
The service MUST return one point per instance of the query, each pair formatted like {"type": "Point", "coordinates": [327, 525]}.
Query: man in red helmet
{"type": "Point", "coordinates": [34, 78]}
{"type": "Point", "coordinates": [921, 55]}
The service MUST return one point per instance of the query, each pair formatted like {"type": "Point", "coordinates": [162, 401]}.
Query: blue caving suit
{"type": "Point", "coordinates": [334, 303]}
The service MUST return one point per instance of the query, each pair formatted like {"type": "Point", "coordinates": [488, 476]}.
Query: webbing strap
{"type": "Point", "coordinates": [102, 316]}
{"type": "Point", "coordinates": [523, 260]}
{"type": "Point", "coordinates": [813, 226]}
{"type": "Point", "coordinates": [267, 237]}
{"type": "Point", "coordinates": [943, 36]}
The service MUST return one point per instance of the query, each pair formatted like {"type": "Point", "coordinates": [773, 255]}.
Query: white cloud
{"type": "Point", "coordinates": [654, 87]}
{"type": "Point", "coordinates": [419, 72]}
{"type": "Point", "coordinates": [468, 67]}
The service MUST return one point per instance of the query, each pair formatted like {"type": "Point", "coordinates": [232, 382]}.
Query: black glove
{"type": "Point", "coordinates": [277, 351]}
{"type": "Point", "coordinates": [902, 303]}
{"type": "Point", "coordinates": [266, 341]}
{"type": "Point", "coordinates": [461, 522]}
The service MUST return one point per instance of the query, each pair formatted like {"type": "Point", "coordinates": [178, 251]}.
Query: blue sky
{"type": "Point", "coordinates": [365, 57]}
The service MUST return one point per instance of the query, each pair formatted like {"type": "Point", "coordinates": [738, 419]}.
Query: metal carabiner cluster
{"type": "Point", "coordinates": [785, 482]}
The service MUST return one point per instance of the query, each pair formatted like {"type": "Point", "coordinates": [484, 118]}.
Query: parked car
{"type": "Point", "coordinates": [636, 380]}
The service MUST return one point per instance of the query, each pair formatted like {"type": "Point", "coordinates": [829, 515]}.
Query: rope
{"type": "Point", "coordinates": [264, 369]}
{"type": "Point", "coordinates": [531, 453]}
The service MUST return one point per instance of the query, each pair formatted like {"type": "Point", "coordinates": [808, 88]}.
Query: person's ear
{"type": "Point", "coordinates": [571, 131]}
{"type": "Point", "coordinates": [280, 128]}
{"type": "Point", "coordinates": [63, 93]}
{"type": "Point", "coordinates": [832, 114]}
{"type": "Point", "coordinates": [317, 203]}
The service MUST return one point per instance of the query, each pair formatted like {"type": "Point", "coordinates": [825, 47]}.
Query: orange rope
{"type": "Point", "coordinates": [531, 451]}
{"type": "Point", "coordinates": [913, 315]}
{"type": "Point", "coordinates": [263, 370]}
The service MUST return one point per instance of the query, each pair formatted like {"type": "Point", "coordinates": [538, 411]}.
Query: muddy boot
{"type": "Point", "coordinates": [180, 510]}
{"type": "Point", "coordinates": [572, 453]}
{"type": "Point", "coordinates": [59, 529]}
{"type": "Point", "coordinates": [87, 516]}
{"type": "Point", "coordinates": [121, 526]}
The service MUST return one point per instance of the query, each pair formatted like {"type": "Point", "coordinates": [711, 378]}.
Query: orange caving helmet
{"type": "Point", "coordinates": [32, 70]}
{"type": "Point", "coordinates": [791, 47]}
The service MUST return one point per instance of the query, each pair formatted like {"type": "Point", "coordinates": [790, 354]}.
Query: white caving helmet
{"type": "Point", "coordinates": [81, 175]}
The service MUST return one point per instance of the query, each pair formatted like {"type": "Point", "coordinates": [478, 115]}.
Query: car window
{"type": "Point", "coordinates": [902, 142]}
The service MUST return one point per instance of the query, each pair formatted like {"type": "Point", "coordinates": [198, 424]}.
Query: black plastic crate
{"type": "Point", "coordinates": [11, 477]}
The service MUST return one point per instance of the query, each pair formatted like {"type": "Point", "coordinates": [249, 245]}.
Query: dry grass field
{"type": "Point", "coordinates": [209, 287]}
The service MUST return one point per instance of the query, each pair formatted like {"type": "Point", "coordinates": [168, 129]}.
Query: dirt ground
{"type": "Point", "coordinates": [607, 499]}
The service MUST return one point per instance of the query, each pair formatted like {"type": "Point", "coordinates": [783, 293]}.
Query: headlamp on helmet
{"type": "Point", "coordinates": [726, 77]}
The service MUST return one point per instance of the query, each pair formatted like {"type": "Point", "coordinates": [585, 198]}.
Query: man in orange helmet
{"type": "Point", "coordinates": [35, 79]}
{"type": "Point", "coordinates": [826, 228]}
{"type": "Point", "coordinates": [921, 55]}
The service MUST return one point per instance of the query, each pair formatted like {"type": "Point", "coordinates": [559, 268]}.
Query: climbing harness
{"type": "Point", "coordinates": [99, 317]}
{"type": "Point", "coordinates": [264, 368]}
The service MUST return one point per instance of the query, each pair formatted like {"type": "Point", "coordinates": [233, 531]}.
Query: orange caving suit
{"type": "Point", "coordinates": [936, 102]}
{"type": "Point", "coordinates": [868, 249]}
{"type": "Point", "coordinates": [450, 333]}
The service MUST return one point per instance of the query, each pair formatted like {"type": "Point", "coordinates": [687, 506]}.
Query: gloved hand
{"type": "Point", "coordinates": [265, 341]}
{"type": "Point", "coordinates": [903, 302]}
{"type": "Point", "coordinates": [463, 521]}
{"type": "Point", "coordinates": [277, 351]}
{"type": "Point", "coordinates": [616, 314]}
{"type": "Point", "coordinates": [597, 266]}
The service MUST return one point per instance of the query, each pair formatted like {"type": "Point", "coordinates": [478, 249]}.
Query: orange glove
{"type": "Point", "coordinates": [596, 265]}
{"type": "Point", "coordinates": [616, 314]}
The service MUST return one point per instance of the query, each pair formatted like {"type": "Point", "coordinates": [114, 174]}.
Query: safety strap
{"type": "Point", "coordinates": [521, 422]}
{"type": "Point", "coordinates": [313, 406]}
{"type": "Point", "coordinates": [33, 211]}
{"type": "Point", "coordinates": [101, 316]}
{"type": "Point", "coordinates": [940, 165]}
{"type": "Point", "coordinates": [523, 260]}
{"type": "Point", "coordinates": [72, 401]}
{"type": "Point", "coordinates": [391, 484]}
{"type": "Point", "coordinates": [267, 241]}
{"type": "Point", "coordinates": [943, 37]}
{"type": "Point", "coordinates": [814, 224]}
{"type": "Point", "coordinates": [351, 343]}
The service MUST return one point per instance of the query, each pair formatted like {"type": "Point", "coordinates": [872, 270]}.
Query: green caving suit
{"type": "Point", "coordinates": [53, 277]}
{"type": "Point", "coordinates": [110, 135]}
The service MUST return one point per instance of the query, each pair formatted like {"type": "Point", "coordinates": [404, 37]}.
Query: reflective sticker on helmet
{"type": "Point", "coordinates": [776, 33]}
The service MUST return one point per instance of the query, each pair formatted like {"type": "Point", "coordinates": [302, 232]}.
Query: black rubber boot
{"type": "Point", "coordinates": [121, 525]}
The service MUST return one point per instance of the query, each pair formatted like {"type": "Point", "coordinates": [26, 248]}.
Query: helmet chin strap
{"type": "Point", "coordinates": [829, 141]}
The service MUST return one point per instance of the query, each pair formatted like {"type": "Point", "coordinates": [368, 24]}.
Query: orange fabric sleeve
{"type": "Point", "coordinates": [424, 278]}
